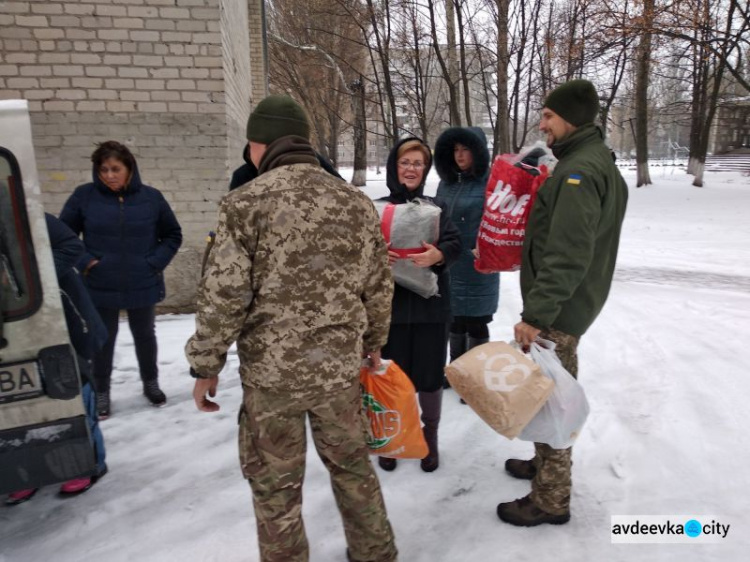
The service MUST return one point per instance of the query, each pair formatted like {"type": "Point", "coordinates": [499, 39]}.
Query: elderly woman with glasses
{"type": "Point", "coordinates": [418, 337]}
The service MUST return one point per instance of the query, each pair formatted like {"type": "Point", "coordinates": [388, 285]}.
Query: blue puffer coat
{"type": "Point", "coordinates": [134, 234]}
{"type": "Point", "coordinates": [472, 293]}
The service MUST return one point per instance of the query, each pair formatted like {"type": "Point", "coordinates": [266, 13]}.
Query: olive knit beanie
{"type": "Point", "coordinates": [275, 117]}
{"type": "Point", "coordinates": [576, 101]}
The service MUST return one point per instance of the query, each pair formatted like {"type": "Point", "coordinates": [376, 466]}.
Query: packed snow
{"type": "Point", "coordinates": [665, 368]}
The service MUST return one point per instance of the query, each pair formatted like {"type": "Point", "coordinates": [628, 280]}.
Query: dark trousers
{"type": "Point", "coordinates": [142, 326]}
{"type": "Point", "coordinates": [475, 326]}
{"type": "Point", "coordinates": [419, 349]}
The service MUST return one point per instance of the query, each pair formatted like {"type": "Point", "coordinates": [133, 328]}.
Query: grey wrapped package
{"type": "Point", "coordinates": [405, 226]}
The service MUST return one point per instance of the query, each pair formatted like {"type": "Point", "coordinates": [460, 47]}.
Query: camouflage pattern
{"type": "Point", "coordinates": [298, 275]}
{"type": "Point", "coordinates": [550, 488]}
{"type": "Point", "coordinates": [272, 455]}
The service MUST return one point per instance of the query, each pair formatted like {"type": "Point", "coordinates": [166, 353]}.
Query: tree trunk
{"type": "Point", "coordinates": [463, 66]}
{"type": "Point", "coordinates": [382, 50]}
{"type": "Point", "coordinates": [713, 100]}
{"type": "Point", "coordinates": [641, 96]}
{"type": "Point", "coordinates": [450, 31]}
{"type": "Point", "coordinates": [448, 77]}
{"type": "Point", "coordinates": [502, 127]}
{"type": "Point", "coordinates": [360, 133]}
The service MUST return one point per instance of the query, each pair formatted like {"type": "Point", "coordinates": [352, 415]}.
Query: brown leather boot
{"type": "Point", "coordinates": [524, 470]}
{"type": "Point", "coordinates": [523, 513]}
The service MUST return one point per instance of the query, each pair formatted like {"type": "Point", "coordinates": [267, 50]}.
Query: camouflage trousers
{"type": "Point", "coordinates": [550, 488]}
{"type": "Point", "coordinates": [273, 444]}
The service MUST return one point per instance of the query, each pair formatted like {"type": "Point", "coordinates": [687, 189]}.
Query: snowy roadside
{"type": "Point", "coordinates": [665, 369]}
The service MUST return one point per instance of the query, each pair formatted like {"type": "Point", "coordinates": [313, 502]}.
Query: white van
{"type": "Point", "coordinates": [44, 435]}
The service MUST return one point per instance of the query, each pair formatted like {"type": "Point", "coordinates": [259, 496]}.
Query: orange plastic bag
{"type": "Point", "coordinates": [390, 402]}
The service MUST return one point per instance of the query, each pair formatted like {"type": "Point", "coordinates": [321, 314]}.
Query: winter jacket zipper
{"type": "Point", "coordinates": [124, 266]}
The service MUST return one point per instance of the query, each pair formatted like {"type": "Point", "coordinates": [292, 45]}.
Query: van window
{"type": "Point", "coordinates": [20, 288]}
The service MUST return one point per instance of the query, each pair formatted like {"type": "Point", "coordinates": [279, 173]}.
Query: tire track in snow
{"type": "Point", "coordinates": [684, 278]}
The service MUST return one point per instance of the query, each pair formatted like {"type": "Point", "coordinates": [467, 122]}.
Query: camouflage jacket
{"type": "Point", "coordinates": [299, 278]}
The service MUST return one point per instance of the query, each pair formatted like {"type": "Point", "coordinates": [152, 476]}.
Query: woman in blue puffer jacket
{"type": "Point", "coordinates": [463, 163]}
{"type": "Point", "coordinates": [130, 234]}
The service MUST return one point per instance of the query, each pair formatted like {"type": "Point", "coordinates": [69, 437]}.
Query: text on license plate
{"type": "Point", "coordinates": [20, 380]}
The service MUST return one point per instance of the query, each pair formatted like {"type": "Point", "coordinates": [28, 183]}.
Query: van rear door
{"type": "Point", "coordinates": [44, 435]}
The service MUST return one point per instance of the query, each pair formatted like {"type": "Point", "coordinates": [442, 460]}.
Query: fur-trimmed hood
{"type": "Point", "coordinates": [471, 137]}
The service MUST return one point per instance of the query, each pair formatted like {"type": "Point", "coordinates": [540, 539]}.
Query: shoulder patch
{"type": "Point", "coordinates": [574, 179]}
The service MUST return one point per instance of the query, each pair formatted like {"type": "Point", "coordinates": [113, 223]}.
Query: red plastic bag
{"type": "Point", "coordinates": [390, 402]}
{"type": "Point", "coordinates": [508, 199]}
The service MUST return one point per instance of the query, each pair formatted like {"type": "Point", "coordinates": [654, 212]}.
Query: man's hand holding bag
{"type": "Point", "coordinates": [503, 386]}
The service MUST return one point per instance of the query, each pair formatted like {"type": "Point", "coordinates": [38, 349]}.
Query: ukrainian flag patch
{"type": "Point", "coordinates": [574, 179]}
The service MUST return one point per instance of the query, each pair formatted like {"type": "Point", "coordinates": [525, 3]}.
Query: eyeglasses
{"type": "Point", "coordinates": [415, 165]}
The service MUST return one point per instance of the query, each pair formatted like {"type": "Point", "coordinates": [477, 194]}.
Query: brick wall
{"type": "Point", "coordinates": [237, 83]}
{"type": "Point", "coordinates": [259, 70]}
{"type": "Point", "coordinates": [170, 78]}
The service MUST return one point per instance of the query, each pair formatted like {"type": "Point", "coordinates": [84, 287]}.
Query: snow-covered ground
{"type": "Point", "coordinates": [665, 368]}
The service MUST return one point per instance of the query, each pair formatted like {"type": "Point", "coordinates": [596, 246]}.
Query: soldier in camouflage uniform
{"type": "Point", "coordinates": [569, 258]}
{"type": "Point", "coordinates": [299, 278]}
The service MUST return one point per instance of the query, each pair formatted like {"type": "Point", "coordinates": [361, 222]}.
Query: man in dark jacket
{"type": "Point", "coordinates": [569, 258]}
{"type": "Point", "coordinates": [248, 172]}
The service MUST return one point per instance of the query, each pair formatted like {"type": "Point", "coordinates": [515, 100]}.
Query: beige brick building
{"type": "Point", "coordinates": [173, 79]}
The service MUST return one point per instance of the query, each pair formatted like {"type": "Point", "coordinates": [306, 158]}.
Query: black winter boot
{"type": "Point", "coordinates": [388, 464]}
{"type": "Point", "coordinates": [471, 344]}
{"type": "Point", "coordinates": [458, 345]}
{"type": "Point", "coordinates": [523, 513]}
{"type": "Point", "coordinates": [154, 394]}
{"type": "Point", "coordinates": [457, 349]}
{"type": "Point", "coordinates": [431, 404]}
{"type": "Point", "coordinates": [103, 405]}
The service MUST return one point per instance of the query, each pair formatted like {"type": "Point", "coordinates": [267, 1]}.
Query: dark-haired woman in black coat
{"type": "Point", "coordinates": [130, 234]}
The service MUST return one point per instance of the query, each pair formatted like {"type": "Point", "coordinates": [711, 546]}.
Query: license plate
{"type": "Point", "coordinates": [19, 381]}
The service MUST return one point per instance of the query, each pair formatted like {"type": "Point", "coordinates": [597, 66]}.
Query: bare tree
{"type": "Point", "coordinates": [448, 76]}
{"type": "Point", "coordinates": [302, 54]}
{"type": "Point", "coordinates": [360, 132]}
{"type": "Point", "coordinates": [501, 141]}
{"type": "Point", "coordinates": [643, 59]}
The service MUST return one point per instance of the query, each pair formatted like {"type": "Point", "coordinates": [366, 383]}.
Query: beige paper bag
{"type": "Point", "coordinates": [503, 386]}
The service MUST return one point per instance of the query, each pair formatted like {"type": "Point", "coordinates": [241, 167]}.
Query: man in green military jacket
{"type": "Point", "coordinates": [569, 256]}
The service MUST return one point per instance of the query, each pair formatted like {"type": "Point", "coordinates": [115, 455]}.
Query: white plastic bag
{"type": "Point", "coordinates": [561, 418]}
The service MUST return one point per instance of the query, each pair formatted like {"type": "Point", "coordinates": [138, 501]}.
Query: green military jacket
{"type": "Point", "coordinates": [572, 236]}
{"type": "Point", "coordinates": [298, 276]}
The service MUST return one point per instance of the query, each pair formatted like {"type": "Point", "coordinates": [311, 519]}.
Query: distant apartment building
{"type": "Point", "coordinates": [731, 127]}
